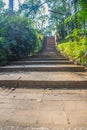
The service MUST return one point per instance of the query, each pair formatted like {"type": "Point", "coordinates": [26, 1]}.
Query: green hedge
{"type": "Point", "coordinates": [76, 50]}
{"type": "Point", "coordinates": [18, 38]}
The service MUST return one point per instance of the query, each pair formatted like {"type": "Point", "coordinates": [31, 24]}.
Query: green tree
{"type": "Point", "coordinates": [1, 5]}
{"type": "Point", "coordinates": [76, 47]}
{"type": "Point", "coordinates": [18, 36]}
{"type": "Point", "coordinates": [59, 11]}
{"type": "Point", "coordinates": [36, 11]}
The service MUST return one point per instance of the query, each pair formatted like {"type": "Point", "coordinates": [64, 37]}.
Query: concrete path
{"type": "Point", "coordinates": [43, 92]}
{"type": "Point", "coordinates": [44, 79]}
{"type": "Point", "coordinates": [43, 109]}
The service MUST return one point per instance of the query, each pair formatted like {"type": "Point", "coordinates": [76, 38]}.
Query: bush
{"type": "Point", "coordinates": [3, 57]}
{"type": "Point", "coordinates": [18, 38]}
{"type": "Point", "coordinates": [76, 50]}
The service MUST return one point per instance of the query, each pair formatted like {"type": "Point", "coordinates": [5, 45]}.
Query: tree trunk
{"type": "Point", "coordinates": [19, 3]}
{"type": "Point", "coordinates": [75, 11]}
{"type": "Point", "coordinates": [11, 6]}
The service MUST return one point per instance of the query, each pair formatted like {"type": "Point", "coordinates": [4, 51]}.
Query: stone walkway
{"type": "Point", "coordinates": [44, 79]}
{"type": "Point", "coordinates": [43, 109]}
{"type": "Point", "coordinates": [40, 106]}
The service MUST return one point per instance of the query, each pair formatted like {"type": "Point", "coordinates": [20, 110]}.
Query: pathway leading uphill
{"type": "Point", "coordinates": [43, 92]}
{"type": "Point", "coordinates": [48, 69]}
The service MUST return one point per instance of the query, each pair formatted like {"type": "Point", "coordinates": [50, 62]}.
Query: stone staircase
{"type": "Point", "coordinates": [47, 69]}
{"type": "Point", "coordinates": [43, 109]}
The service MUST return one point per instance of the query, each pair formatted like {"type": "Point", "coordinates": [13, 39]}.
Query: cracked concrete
{"type": "Point", "coordinates": [43, 108]}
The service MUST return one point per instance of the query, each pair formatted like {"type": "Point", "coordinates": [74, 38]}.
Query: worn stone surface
{"type": "Point", "coordinates": [42, 62]}
{"type": "Point", "coordinates": [47, 108]}
{"type": "Point", "coordinates": [43, 67]}
{"type": "Point", "coordinates": [44, 79]}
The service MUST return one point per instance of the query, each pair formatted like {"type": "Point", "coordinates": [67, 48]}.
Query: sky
{"type": "Point", "coordinates": [15, 3]}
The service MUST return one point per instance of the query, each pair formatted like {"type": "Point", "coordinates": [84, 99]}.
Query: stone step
{"type": "Point", "coordinates": [47, 53]}
{"type": "Point", "coordinates": [45, 59]}
{"type": "Point", "coordinates": [42, 62]}
{"type": "Point", "coordinates": [50, 46]}
{"type": "Point", "coordinates": [17, 68]}
{"type": "Point", "coordinates": [51, 49]}
{"type": "Point", "coordinates": [50, 55]}
{"type": "Point", "coordinates": [43, 80]}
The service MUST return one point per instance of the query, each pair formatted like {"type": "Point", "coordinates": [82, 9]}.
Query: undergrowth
{"type": "Point", "coordinates": [76, 50]}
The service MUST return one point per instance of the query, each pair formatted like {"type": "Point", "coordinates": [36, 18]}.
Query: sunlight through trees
{"type": "Point", "coordinates": [67, 19]}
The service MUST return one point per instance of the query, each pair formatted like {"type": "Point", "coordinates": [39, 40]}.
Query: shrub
{"type": "Point", "coordinates": [76, 50]}
{"type": "Point", "coordinates": [18, 38]}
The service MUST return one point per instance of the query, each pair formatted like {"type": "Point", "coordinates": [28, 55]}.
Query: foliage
{"type": "Point", "coordinates": [20, 32]}
{"type": "Point", "coordinates": [18, 38]}
{"type": "Point", "coordinates": [60, 10]}
{"type": "Point", "coordinates": [36, 11]}
{"type": "Point", "coordinates": [75, 50]}
{"type": "Point", "coordinates": [76, 46]}
{"type": "Point", "coordinates": [1, 5]}
{"type": "Point", "coordinates": [3, 51]}
{"type": "Point", "coordinates": [30, 8]}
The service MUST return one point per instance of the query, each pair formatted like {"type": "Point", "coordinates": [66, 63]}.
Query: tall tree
{"type": "Point", "coordinates": [60, 10]}
{"type": "Point", "coordinates": [36, 11]}
{"type": "Point", "coordinates": [1, 5]}
{"type": "Point", "coordinates": [11, 6]}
